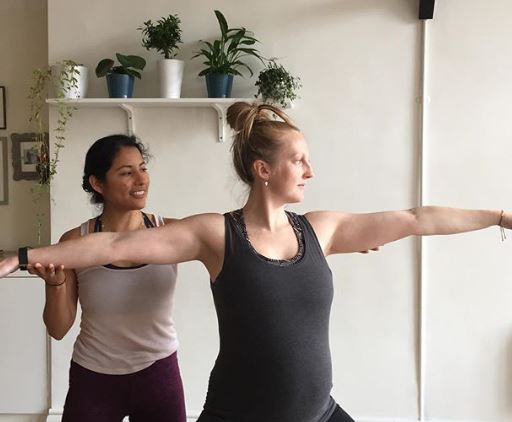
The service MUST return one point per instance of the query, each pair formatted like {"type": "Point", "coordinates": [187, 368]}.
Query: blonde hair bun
{"type": "Point", "coordinates": [257, 134]}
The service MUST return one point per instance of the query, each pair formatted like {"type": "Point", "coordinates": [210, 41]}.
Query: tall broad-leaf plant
{"type": "Point", "coordinates": [228, 54]}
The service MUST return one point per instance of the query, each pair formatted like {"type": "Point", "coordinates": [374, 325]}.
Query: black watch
{"type": "Point", "coordinates": [23, 258]}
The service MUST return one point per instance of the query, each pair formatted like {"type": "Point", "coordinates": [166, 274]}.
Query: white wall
{"type": "Point", "coordinates": [359, 62]}
{"type": "Point", "coordinates": [23, 367]}
{"type": "Point", "coordinates": [23, 47]}
{"type": "Point", "coordinates": [470, 318]}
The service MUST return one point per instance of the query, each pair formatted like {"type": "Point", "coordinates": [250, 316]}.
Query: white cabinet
{"type": "Point", "coordinates": [23, 367]}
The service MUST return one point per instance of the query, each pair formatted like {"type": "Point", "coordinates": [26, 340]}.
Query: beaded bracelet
{"type": "Point", "coordinates": [54, 285]}
{"type": "Point", "coordinates": [502, 229]}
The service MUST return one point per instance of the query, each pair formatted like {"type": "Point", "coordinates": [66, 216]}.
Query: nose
{"type": "Point", "coordinates": [308, 174]}
{"type": "Point", "coordinates": [142, 177]}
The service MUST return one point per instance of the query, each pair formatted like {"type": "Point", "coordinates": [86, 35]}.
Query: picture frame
{"type": "Point", "coordinates": [25, 156]}
{"type": "Point", "coordinates": [3, 112]}
{"type": "Point", "coordinates": [4, 172]}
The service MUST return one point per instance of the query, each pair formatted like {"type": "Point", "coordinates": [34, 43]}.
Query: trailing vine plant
{"type": "Point", "coordinates": [64, 77]}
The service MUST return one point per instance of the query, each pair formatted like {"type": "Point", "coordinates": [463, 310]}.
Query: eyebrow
{"type": "Point", "coordinates": [129, 166]}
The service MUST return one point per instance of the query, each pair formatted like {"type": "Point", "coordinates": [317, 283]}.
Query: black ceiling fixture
{"type": "Point", "coordinates": [427, 9]}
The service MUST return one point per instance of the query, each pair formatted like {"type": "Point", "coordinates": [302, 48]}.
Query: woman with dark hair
{"type": "Point", "coordinates": [124, 359]}
{"type": "Point", "coordinates": [270, 280]}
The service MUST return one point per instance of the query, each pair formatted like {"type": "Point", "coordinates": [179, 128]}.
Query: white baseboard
{"type": "Point", "coordinates": [55, 415]}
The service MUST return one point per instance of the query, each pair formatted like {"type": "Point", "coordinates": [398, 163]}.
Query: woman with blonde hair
{"type": "Point", "coordinates": [270, 280]}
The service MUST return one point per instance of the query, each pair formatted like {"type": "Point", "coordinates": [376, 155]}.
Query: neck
{"type": "Point", "coordinates": [262, 212]}
{"type": "Point", "coordinates": [117, 221]}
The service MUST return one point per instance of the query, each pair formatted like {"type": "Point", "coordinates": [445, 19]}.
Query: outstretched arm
{"type": "Point", "coordinates": [184, 240]}
{"type": "Point", "coordinates": [341, 233]}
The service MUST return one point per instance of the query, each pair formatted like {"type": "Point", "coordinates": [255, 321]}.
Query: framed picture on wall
{"type": "Point", "coordinates": [25, 155]}
{"type": "Point", "coordinates": [4, 193]}
{"type": "Point", "coordinates": [3, 113]}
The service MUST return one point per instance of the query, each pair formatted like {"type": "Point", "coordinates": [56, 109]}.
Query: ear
{"type": "Point", "coordinates": [261, 170]}
{"type": "Point", "coordinates": [96, 184]}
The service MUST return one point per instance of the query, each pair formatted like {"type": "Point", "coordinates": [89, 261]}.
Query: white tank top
{"type": "Point", "coordinates": [126, 322]}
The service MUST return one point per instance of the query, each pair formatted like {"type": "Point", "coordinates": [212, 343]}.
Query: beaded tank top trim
{"type": "Point", "coordinates": [238, 218]}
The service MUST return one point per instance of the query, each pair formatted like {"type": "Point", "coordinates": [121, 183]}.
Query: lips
{"type": "Point", "coordinates": [138, 193]}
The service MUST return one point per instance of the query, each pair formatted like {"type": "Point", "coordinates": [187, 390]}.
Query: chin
{"type": "Point", "coordinates": [294, 199]}
{"type": "Point", "coordinates": [139, 204]}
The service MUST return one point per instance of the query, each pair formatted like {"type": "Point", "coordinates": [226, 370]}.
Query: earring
{"type": "Point", "coordinates": [266, 182]}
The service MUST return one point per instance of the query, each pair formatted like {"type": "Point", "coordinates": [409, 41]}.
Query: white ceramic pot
{"type": "Point", "coordinates": [69, 91]}
{"type": "Point", "coordinates": [170, 74]}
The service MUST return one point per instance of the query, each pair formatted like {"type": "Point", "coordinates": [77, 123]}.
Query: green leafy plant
{"type": "Point", "coordinates": [65, 81]}
{"type": "Point", "coordinates": [276, 85]}
{"type": "Point", "coordinates": [163, 36]}
{"type": "Point", "coordinates": [128, 65]}
{"type": "Point", "coordinates": [225, 55]}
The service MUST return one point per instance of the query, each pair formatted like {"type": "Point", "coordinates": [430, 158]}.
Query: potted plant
{"type": "Point", "coordinates": [164, 36]}
{"type": "Point", "coordinates": [66, 84]}
{"type": "Point", "coordinates": [69, 79]}
{"type": "Point", "coordinates": [120, 78]}
{"type": "Point", "coordinates": [276, 85]}
{"type": "Point", "coordinates": [225, 56]}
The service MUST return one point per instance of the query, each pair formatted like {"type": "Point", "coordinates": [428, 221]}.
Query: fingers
{"type": "Point", "coordinates": [8, 265]}
{"type": "Point", "coordinates": [50, 274]}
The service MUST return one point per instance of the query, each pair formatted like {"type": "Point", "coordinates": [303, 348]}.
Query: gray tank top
{"type": "Point", "coordinates": [126, 323]}
{"type": "Point", "coordinates": [274, 363]}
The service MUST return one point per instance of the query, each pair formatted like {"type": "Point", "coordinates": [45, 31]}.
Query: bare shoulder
{"type": "Point", "coordinates": [326, 223]}
{"type": "Point", "coordinates": [198, 224]}
{"type": "Point", "coordinates": [315, 216]}
{"type": "Point", "coordinates": [71, 234]}
{"type": "Point", "coordinates": [206, 231]}
{"type": "Point", "coordinates": [210, 222]}
{"type": "Point", "coordinates": [321, 218]}
{"type": "Point", "coordinates": [207, 219]}
{"type": "Point", "coordinates": [169, 220]}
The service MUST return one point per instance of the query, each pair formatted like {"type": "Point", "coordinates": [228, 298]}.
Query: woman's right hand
{"type": "Point", "coordinates": [51, 275]}
{"type": "Point", "coordinates": [8, 265]}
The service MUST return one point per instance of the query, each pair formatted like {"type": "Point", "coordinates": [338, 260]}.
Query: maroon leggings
{"type": "Point", "coordinates": [153, 394]}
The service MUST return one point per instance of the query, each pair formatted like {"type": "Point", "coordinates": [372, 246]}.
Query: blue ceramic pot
{"type": "Point", "coordinates": [119, 85]}
{"type": "Point", "coordinates": [219, 85]}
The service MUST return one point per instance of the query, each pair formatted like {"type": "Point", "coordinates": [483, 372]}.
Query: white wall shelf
{"type": "Point", "coordinates": [129, 105]}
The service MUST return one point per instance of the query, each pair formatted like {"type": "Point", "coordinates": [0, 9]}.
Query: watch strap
{"type": "Point", "coordinates": [23, 258]}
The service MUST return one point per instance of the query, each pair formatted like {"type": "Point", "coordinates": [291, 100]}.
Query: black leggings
{"type": "Point", "coordinates": [340, 415]}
